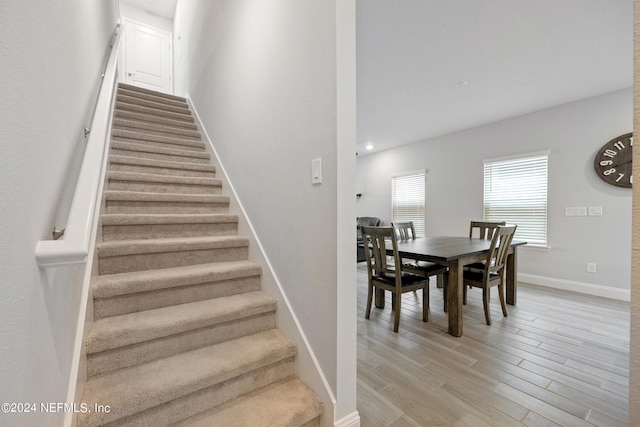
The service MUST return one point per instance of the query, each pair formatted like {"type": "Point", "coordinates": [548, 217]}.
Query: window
{"type": "Point", "coordinates": [407, 199]}
{"type": "Point", "coordinates": [515, 191]}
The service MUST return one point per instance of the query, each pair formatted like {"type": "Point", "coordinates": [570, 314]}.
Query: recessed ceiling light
{"type": "Point", "coordinates": [462, 83]}
{"type": "Point", "coordinates": [369, 146]}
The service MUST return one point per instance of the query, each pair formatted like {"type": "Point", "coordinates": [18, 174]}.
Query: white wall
{"type": "Point", "coordinates": [135, 13]}
{"type": "Point", "coordinates": [52, 54]}
{"type": "Point", "coordinates": [263, 78]}
{"type": "Point", "coordinates": [573, 133]}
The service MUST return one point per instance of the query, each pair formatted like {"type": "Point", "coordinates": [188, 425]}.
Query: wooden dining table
{"type": "Point", "coordinates": [455, 253]}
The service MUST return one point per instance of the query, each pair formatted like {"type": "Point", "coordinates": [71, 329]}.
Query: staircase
{"type": "Point", "coordinates": [182, 333]}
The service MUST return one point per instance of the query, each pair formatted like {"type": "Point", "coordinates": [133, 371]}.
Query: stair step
{"type": "Point", "coordinates": [131, 339]}
{"type": "Point", "coordinates": [150, 92]}
{"type": "Point", "coordinates": [186, 145]}
{"type": "Point", "coordinates": [159, 153]}
{"type": "Point", "coordinates": [156, 104]}
{"type": "Point", "coordinates": [157, 226]}
{"type": "Point", "coordinates": [147, 254]}
{"type": "Point", "coordinates": [286, 403]}
{"type": "Point", "coordinates": [147, 118]}
{"type": "Point", "coordinates": [147, 202]}
{"type": "Point", "coordinates": [133, 181]}
{"type": "Point", "coordinates": [158, 140]}
{"type": "Point", "coordinates": [153, 97]}
{"type": "Point", "coordinates": [224, 370]}
{"type": "Point", "coordinates": [160, 167]}
{"type": "Point", "coordinates": [179, 117]}
{"type": "Point", "coordinates": [122, 293]}
{"type": "Point", "coordinates": [156, 129]}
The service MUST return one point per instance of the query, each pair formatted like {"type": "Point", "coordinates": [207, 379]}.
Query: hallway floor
{"type": "Point", "coordinates": [559, 359]}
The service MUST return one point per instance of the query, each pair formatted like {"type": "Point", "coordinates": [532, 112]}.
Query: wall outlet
{"type": "Point", "coordinates": [591, 267]}
{"type": "Point", "coordinates": [595, 210]}
{"type": "Point", "coordinates": [575, 211]}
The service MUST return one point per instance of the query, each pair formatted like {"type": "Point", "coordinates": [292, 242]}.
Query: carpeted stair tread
{"type": "Point", "coordinates": [288, 403]}
{"type": "Point", "coordinates": [155, 129]}
{"type": "Point", "coordinates": [119, 331]}
{"type": "Point", "coordinates": [127, 226]}
{"type": "Point", "coordinates": [122, 256]}
{"type": "Point", "coordinates": [153, 98]}
{"type": "Point", "coordinates": [113, 285]}
{"type": "Point", "coordinates": [148, 177]}
{"type": "Point", "coordinates": [133, 196]}
{"type": "Point", "coordinates": [150, 92]}
{"type": "Point", "coordinates": [143, 219]}
{"type": "Point", "coordinates": [129, 391]}
{"type": "Point", "coordinates": [161, 164]}
{"type": "Point", "coordinates": [194, 146]}
{"type": "Point", "coordinates": [127, 201]}
{"type": "Point", "coordinates": [156, 104]}
{"type": "Point", "coordinates": [150, 118]}
{"type": "Point", "coordinates": [178, 117]}
{"type": "Point", "coordinates": [142, 246]}
{"type": "Point", "coordinates": [127, 135]}
{"type": "Point", "coordinates": [142, 148]}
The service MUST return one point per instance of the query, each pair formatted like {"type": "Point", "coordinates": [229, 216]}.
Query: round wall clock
{"type": "Point", "coordinates": [613, 161]}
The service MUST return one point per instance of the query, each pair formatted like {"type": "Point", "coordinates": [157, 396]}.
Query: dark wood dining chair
{"type": "Point", "coordinates": [484, 230]}
{"type": "Point", "coordinates": [494, 272]}
{"type": "Point", "coordinates": [406, 231]}
{"type": "Point", "coordinates": [387, 273]}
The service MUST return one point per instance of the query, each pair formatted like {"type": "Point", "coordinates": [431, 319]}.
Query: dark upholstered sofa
{"type": "Point", "coordinates": [367, 221]}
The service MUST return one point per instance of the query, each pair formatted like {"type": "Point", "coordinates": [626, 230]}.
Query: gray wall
{"type": "Point", "coordinates": [263, 79]}
{"type": "Point", "coordinates": [133, 12]}
{"type": "Point", "coordinates": [52, 54]}
{"type": "Point", "coordinates": [573, 133]}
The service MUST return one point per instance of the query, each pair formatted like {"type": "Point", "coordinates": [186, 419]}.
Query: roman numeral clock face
{"type": "Point", "coordinates": [613, 161]}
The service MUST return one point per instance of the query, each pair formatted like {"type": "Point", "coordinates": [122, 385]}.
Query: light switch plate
{"type": "Point", "coordinates": [316, 171]}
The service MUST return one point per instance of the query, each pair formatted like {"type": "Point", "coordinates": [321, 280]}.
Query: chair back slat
{"type": "Point", "coordinates": [377, 239]}
{"type": "Point", "coordinates": [404, 229]}
{"type": "Point", "coordinates": [379, 250]}
{"type": "Point", "coordinates": [486, 229]}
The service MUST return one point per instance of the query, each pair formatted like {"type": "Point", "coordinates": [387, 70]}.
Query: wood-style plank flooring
{"type": "Point", "coordinates": [559, 359]}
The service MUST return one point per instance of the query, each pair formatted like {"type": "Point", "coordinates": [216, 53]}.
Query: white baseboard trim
{"type": "Point", "coordinates": [580, 287]}
{"type": "Point", "coordinates": [351, 420]}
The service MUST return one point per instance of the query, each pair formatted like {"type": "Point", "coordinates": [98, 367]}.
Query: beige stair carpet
{"type": "Point", "coordinates": [182, 332]}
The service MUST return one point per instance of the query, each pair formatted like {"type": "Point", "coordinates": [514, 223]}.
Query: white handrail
{"type": "Point", "coordinates": [73, 248]}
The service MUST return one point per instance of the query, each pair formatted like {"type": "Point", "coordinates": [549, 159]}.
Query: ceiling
{"type": "Point", "coordinates": [163, 8]}
{"type": "Point", "coordinates": [431, 67]}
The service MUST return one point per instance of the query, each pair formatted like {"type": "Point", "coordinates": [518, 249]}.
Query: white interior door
{"type": "Point", "coordinates": [148, 62]}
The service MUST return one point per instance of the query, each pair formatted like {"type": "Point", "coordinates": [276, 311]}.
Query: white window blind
{"type": "Point", "coordinates": [515, 191]}
{"type": "Point", "coordinates": [407, 199]}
